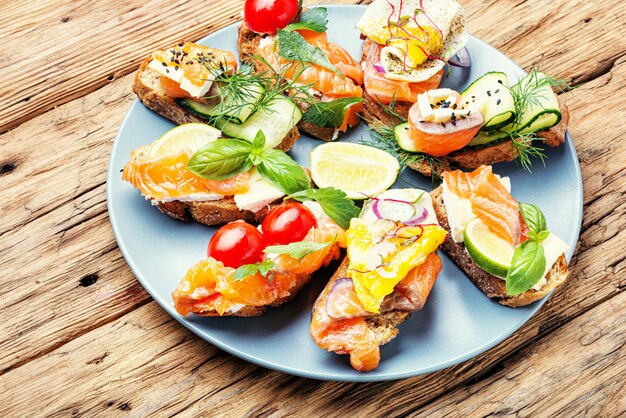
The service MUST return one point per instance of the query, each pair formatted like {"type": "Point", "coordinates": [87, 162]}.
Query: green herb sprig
{"type": "Point", "coordinates": [529, 93]}
{"type": "Point", "coordinates": [293, 46]}
{"type": "Point", "coordinates": [263, 268]}
{"type": "Point", "coordinates": [315, 19]}
{"type": "Point", "coordinates": [529, 261]}
{"type": "Point", "coordinates": [297, 250]}
{"type": "Point", "coordinates": [334, 202]}
{"type": "Point", "coordinates": [329, 114]}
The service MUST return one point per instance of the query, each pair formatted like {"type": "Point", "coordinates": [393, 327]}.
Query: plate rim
{"type": "Point", "coordinates": [363, 377]}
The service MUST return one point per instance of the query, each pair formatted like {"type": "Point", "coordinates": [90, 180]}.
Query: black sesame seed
{"type": "Point", "coordinates": [453, 122]}
{"type": "Point", "coordinates": [488, 93]}
{"type": "Point", "coordinates": [498, 102]}
{"type": "Point", "coordinates": [454, 106]}
{"type": "Point", "coordinates": [497, 91]}
{"type": "Point", "coordinates": [164, 64]}
{"type": "Point", "coordinates": [468, 112]}
{"type": "Point", "coordinates": [443, 124]}
{"type": "Point", "coordinates": [167, 70]}
{"type": "Point", "coordinates": [473, 97]}
{"type": "Point", "coordinates": [432, 106]}
{"type": "Point", "coordinates": [176, 68]}
{"type": "Point", "coordinates": [500, 81]}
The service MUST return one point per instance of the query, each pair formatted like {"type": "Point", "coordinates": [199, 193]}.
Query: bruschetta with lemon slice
{"type": "Point", "coordinates": [390, 269]}
{"type": "Point", "coordinates": [504, 247]}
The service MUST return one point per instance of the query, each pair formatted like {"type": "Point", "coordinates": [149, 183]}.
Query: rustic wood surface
{"type": "Point", "coordinates": [80, 336]}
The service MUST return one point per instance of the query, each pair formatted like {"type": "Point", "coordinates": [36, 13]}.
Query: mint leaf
{"type": "Point", "coordinates": [533, 217]}
{"type": "Point", "coordinates": [329, 114]}
{"type": "Point", "coordinates": [527, 267]}
{"type": "Point", "coordinates": [221, 160]}
{"type": "Point", "coordinates": [297, 250]}
{"type": "Point", "coordinates": [334, 203]}
{"type": "Point", "coordinates": [282, 172]}
{"type": "Point", "coordinates": [250, 269]}
{"type": "Point", "coordinates": [293, 46]}
{"type": "Point", "coordinates": [314, 19]}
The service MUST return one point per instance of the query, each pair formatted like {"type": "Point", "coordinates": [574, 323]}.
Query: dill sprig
{"type": "Point", "coordinates": [383, 137]}
{"type": "Point", "coordinates": [529, 92]}
{"type": "Point", "coordinates": [523, 145]}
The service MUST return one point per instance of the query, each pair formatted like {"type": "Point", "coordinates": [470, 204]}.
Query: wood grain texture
{"type": "Point", "coordinates": [180, 368]}
{"type": "Point", "coordinates": [80, 332]}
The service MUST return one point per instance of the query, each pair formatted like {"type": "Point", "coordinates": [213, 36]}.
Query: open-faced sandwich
{"type": "Point", "coordinates": [320, 76]}
{"type": "Point", "coordinates": [194, 83]}
{"type": "Point", "coordinates": [407, 45]}
{"type": "Point", "coordinates": [502, 245]}
{"type": "Point", "coordinates": [388, 273]}
{"type": "Point", "coordinates": [249, 269]}
{"type": "Point", "coordinates": [192, 173]}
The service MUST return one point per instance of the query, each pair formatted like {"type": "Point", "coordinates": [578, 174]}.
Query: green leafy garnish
{"type": "Point", "coordinates": [525, 149]}
{"type": "Point", "coordinates": [297, 250]}
{"type": "Point", "coordinates": [314, 19]}
{"type": "Point", "coordinates": [529, 261]}
{"type": "Point", "coordinates": [293, 46]}
{"type": "Point", "coordinates": [223, 159]}
{"type": "Point", "coordinates": [334, 203]}
{"type": "Point", "coordinates": [329, 114]}
{"type": "Point", "coordinates": [529, 93]}
{"type": "Point", "coordinates": [251, 269]}
{"type": "Point", "coordinates": [527, 267]}
{"type": "Point", "coordinates": [282, 172]}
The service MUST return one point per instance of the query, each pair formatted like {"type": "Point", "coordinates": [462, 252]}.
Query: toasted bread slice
{"type": "Point", "coordinates": [376, 113]}
{"type": "Point", "coordinates": [493, 286]}
{"type": "Point", "coordinates": [148, 88]}
{"type": "Point", "coordinates": [248, 45]}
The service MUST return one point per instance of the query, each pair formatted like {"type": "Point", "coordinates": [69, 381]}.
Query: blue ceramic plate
{"type": "Point", "coordinates": [458, 322]}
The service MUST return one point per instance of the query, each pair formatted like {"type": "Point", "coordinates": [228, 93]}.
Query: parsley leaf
{"type": "Point", "coordinates": [527, 267]}
{"type": "Point", "coordinates": [314, 19]}
{"type": "Point", "coordinates": [297, 250]}
{"type": "Point", "coordinates": [293, 47]}
{"type": "Point", "coordinates": [221, 160]}
{"type": "Point", "coordinates": [250, 269]}
{"type": "Point", "coordinates": [334, 203]}
{"type": "Point", "coordinates": [329, 114]}
{"type": "Point", "coordinates": [282, 172]}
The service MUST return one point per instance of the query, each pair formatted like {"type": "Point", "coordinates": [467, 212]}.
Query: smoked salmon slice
{"type": "Point", "coordinates": [339, 320]}
{"type": "Point", "coordinates": [167, 177]}
{"type": "Point", "coordinates": [491, 201]}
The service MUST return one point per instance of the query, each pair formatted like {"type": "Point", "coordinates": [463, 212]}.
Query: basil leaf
{"type": "Point", "coordinates": [527, 267]}
{"type": "Point", "coordinates": [297, 250]}
{"type": "Point", "coordinates": [293, 46]}
{"type": "Point", "coordinates": [282, 172]}
{"type": "Point", "coordinates": [533, 217]}
{"type": "Point", "coordinates": [543, 235]}
{"type": "Point", "coordinates": [250, 269]}
{"type": "Point", "coordinates": [329, 114]}
{"type": "Point", "coordinates": [221, 160]}
{"type": "Point", "coordinates": [258, 145]}
{"type": "Point", "coordinates": [334, 203]}
{"type": "Point", "coordinates": [314, 19]}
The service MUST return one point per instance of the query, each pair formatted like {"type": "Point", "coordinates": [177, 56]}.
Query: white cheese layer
{"type": "Point", "coordinates": [195, 197]}
{"type": "Point", "coordinates": [459, 210]}
{"type": "Point", "coordinates": [553, 248]}
{"type": "Point", "coordinates": [259, 194]}
{"type": "Point", "coordinates": [421, 198]}
{"type": "Point", "coordinates": [172, 70]}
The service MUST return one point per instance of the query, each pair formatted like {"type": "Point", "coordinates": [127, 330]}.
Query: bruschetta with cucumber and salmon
{"type": "Point", "coordinates": [390, 269]}
{"type": "Point", "coordinates": [325, 80]}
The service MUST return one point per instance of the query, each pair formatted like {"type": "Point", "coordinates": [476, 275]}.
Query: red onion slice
{"type": "Point", "coordinates": [461, 59]}
{"type": "Point", "coordinates": [377, 209]}
{"type": "Point", "coordinates": [418, 218]}
{"type": "Point", "coordinates": [379, 68]}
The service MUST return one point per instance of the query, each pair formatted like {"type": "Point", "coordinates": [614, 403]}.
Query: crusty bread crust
{"type": "Point", "coordinates": [493, 286]}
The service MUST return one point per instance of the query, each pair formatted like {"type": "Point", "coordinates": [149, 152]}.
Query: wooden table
{"type": "Point", "coordinates": [80, 336]}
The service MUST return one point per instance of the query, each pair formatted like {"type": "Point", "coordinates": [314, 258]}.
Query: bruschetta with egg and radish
{"type": "Point", "coordinates": [389, 271]}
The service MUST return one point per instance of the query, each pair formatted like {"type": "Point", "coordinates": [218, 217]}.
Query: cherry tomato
{"type": "Point", "coordinates": [236, 244]}
{"type": "Point", "coordinates": [267, 16]}
{"type": "Point", "coordinates": [286, 223]}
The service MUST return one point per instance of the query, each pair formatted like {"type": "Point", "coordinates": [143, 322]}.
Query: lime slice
{"type": "Point", "coordinates": [190, 135]}
{"type": "Point", "coordinates": [360, 171]}
{"type": "Point", "coordinates": [489, 251]}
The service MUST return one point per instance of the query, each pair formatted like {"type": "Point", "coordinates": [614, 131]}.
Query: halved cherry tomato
{"type": "Point", "coordinates": [286, 223]}
{"type": "Point", "coordinates": [267, 16]}
{"type": "Point", "coordinates": [236, 244]}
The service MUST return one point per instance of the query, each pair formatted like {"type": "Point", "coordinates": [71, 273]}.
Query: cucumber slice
{"type": "Point", "coordinates": [401, 132]}
{"type": "Point", "coordinates": [233, 109]}
{"type": "Point", "coordinates": [490, 95]}
{"type": "Point", "coordinates": [484, 138]}
{"type": "Point", "coordinates": [542, 110]}
{"type": "Point", "coordinates": [489, 251]}
{"type": "Point", "coordinates": [276, 120]}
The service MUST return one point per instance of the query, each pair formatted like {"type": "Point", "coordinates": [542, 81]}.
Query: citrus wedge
{"type": "Point", "coordinates": [492, 253]}
{"type": "Point", "coordinates": [190, 135]}
{"type": "Point", "coordinates": [360, 171]}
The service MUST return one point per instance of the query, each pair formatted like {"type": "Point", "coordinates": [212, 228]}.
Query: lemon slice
{"type": "Point", "coordinates": [360, 171]}
{"type": "Point", "coordinates": [190, 135]}
{"type": "Point", "coordinates": [489, 251]}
